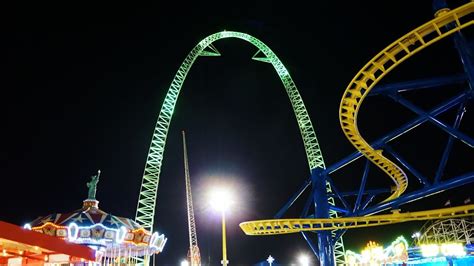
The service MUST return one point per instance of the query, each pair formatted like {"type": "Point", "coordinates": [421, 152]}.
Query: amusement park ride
{"type": "Point", "coordinates": [194, 254]}
{"type": "Point", "coordinates": [115, 240]}
{"type": "Point", "coordinates": [328, 220]}
{"type": "Point", "coordinates": [328, 212]}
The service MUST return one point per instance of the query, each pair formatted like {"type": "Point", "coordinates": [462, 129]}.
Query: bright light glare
{"type": "Point", "coordinates": [221, 199]}
{"type": "Point", "coordinates": [453, 249]}
{"type": "Point", "coordinates": [430, 250]}
{"type": "Point", "coordinates": [446, 249]}
{"type": "Point", "coordinates": [303, 260]}
{"type": "Point", "coordinates": [184, 263]}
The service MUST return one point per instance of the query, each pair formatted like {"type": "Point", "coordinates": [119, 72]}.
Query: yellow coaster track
{"type": "Point", "coordinates": [288, 226]}
{"type": "Point", "coordinates": [444, 24]}
{"type": "Point", "coordinates": [382, 64]}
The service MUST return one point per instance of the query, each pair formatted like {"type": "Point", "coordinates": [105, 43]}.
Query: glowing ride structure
{"type": "Point", "coordinates": [148, 192]}
{"type": "Point", "coordinates": [446, 23]}
{"type": "Point", "coordinates": [375, 254]}
{"type": "Point", "coordinates": [455, 230]}
{"type": "Point", "coordinates": [194, 255]}
{"type": "Point", "coordinates": [439, 242]}
{"type": "Point", "coordinates": [329, 248]}
{"type": "Point", "coordinates": [116, 240]}
{"type": "Point", "coordinates": [444, 241]}
{"type": "Point", "coordinates": [147, 199]}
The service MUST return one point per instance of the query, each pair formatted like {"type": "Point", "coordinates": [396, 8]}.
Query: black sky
{"type": "Point", "coordinates": [82, 87]}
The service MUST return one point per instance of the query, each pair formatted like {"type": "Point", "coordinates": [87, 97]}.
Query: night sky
{"type": "Point", "coordinates": [82, 86]}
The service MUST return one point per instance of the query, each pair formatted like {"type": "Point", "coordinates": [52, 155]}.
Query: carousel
{"type": "Point", "coordinates": [116, 240]}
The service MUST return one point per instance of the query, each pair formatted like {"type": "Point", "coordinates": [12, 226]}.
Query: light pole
{"type": "Point", "coordinates": [221, 199]}
{"type": "Point", "coordinates": [224, 242]}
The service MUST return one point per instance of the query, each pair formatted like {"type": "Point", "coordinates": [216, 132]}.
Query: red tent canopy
{"type": "Point", "coordinates": [18, 242]}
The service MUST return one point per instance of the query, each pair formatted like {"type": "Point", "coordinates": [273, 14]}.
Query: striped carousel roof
{"type": "Point", "coordinates": [88, 215]}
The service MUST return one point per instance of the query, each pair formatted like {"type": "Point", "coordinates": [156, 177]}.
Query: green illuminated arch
{"type": "Point", "coordinates": [147, 200]}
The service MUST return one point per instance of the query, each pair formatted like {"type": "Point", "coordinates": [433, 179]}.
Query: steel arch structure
{"type": "Point", "coordinates": [150, 181]}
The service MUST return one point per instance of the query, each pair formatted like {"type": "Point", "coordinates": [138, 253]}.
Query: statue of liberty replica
{"type": "Point", "coordinates": [92, 185]}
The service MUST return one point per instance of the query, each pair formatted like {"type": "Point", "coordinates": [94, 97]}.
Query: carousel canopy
{"type": "Point", "coordinates": [103, 231]}
{"type": "Point", "coordinates": [88, 215]}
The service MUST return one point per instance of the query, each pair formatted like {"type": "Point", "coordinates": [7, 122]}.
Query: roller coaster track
{"type": "Point", "coordinates": [150, 181]}
{"type": "Point", "coordinates": [447, 231]}
{"type": "Point", "coordinates": [445, 24]}
{"type": "Point", "coordinates": [288, 226]}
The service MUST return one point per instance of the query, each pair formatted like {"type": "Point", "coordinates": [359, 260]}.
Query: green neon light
{"type": "Point", "coordinates": [147, 201]}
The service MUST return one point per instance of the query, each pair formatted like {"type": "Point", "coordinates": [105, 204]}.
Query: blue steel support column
{"type": "Point", "coordinates": [423, 180]}
{"type": "Point", "coordinates": [292, 200]}
{"type": "Point", "coordinates": [465, 54]}
{"type": "Point", "coordinates": [460, 44]}
{"type": "Point", "coordinates": [369, 199]}
{"type": "Point", "coordinates": [311, 243]}
{"type": "Point", "coordinates": [321, 205]}
{"type": "Point", "coordinates": [362, 185]}
{"type": "Point", "coordinates": [374, 191]}
{"type": "Point", "coordinates": [448, 129]}
{"type": "Point", "coordinates": [449, 144]}
{"type": "Point", "coordinates": [417, 84]}
{"type": "Point", "coordinates": [422, 193]}
{"type": "Point", "coordinates": [400, 131]}
{"type": "Point", "coordinates": [338, 195]}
